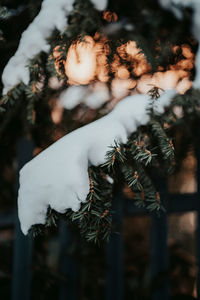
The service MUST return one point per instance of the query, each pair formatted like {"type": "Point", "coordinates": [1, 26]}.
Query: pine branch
{"type": "Point", "coordinates": [95, 216]}
{"type": "Point", "coordinates": [116, 154]}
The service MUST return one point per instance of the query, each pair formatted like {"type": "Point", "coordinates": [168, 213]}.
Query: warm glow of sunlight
{"type": "Point", "coordinates": [89, 59]}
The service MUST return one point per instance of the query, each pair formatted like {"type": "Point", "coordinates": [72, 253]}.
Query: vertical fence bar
{"type": "Point", "coordinates": [68, 265]}
{"type": "Point", "coordinates": [21, 279]}
{"type": "Point", "coordinates": [115, 255]}
{"type": "Point", "coordinates": [159, 250]}
{"type": "Point", "coordinates": [198, 220]}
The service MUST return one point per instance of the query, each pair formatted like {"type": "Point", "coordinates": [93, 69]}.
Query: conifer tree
{"type": "Point", "coordinates": [76, 69]}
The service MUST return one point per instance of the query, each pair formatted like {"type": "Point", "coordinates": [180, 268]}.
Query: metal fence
{"type": "Point", "coordinates": [21, 282]}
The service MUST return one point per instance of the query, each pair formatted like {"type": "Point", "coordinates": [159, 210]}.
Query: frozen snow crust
{"type": "Point", "coordinates": [59, 175]}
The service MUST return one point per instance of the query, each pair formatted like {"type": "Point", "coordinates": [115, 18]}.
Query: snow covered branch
{"type": "Point", "coordinates": [59, 175]}
{"type": "Point", "coordinates": [53, 15]}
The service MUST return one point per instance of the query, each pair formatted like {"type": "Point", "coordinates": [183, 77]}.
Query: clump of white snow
{"type": "Point", "coordinates": [59, 175]}
{"type": "Point", "coordinates": [53, 14]}
{"type": "Point", "coordinates": [94, 95]}
{"type": "Point", "coordinates": [73, 96]}
{"type": "Point", "coordinates": [100, 4]}
{"type": "Point", "coordinates": [98, 94]}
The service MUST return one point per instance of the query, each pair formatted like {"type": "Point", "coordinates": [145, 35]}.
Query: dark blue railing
{"type": "Point", "coordinates": [21, 281]}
